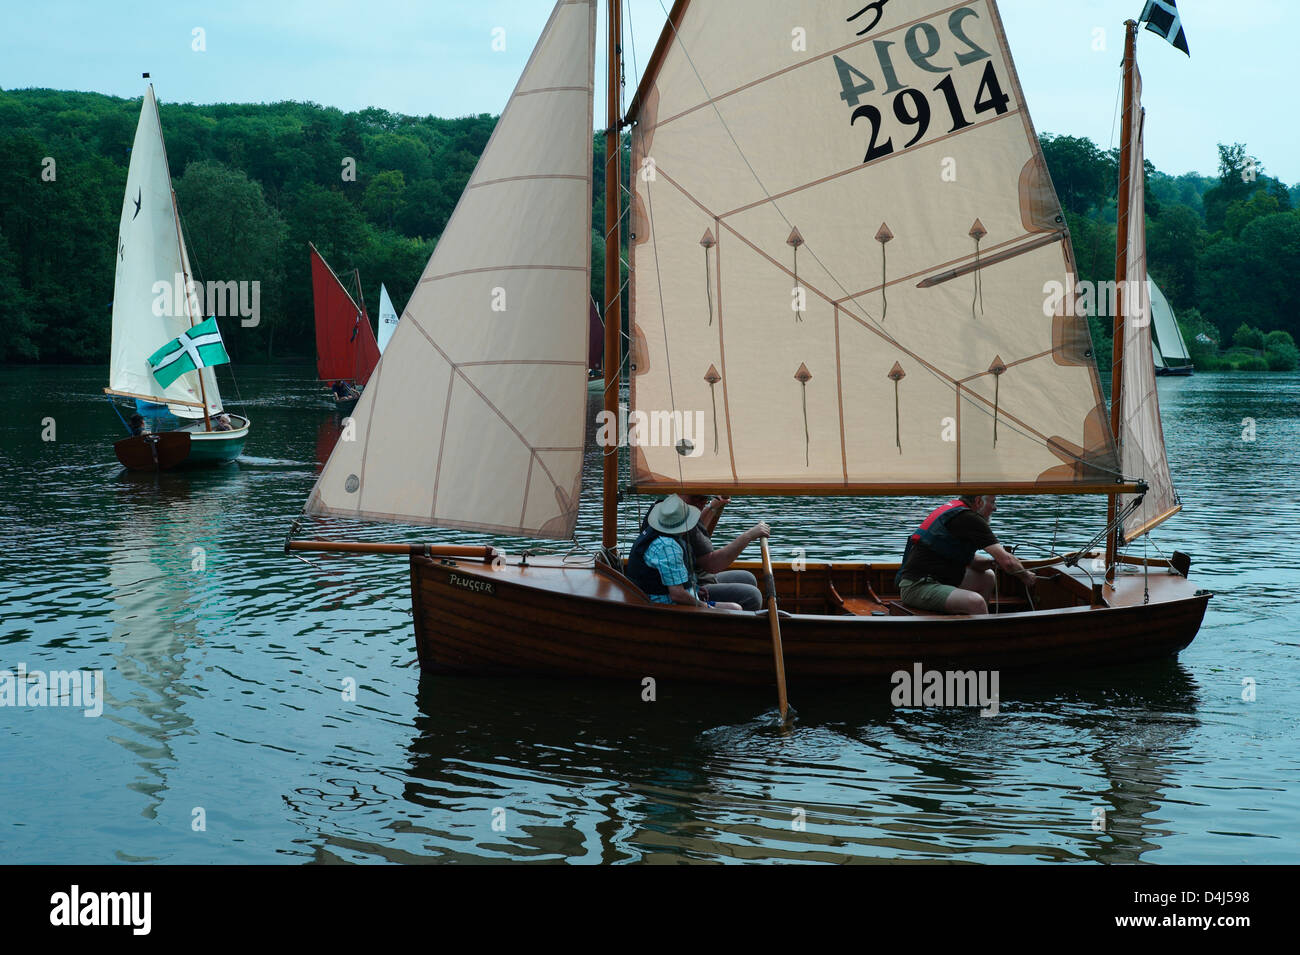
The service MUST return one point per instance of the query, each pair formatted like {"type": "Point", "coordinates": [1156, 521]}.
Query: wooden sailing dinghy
{"type": "Point", "coordinates": [151, 250]}
{"type": "Point", "coordinates": [857, 326]}
{"type": "Point", "coordinates": [346, 349]}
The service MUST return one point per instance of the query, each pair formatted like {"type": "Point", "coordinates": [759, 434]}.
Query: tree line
{"type": "Point", "coordinates": [1221, 248]}
{"type": "Point", "coordinates": [256, 182]}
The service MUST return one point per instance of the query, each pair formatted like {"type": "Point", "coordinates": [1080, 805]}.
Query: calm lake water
{"type": "Point", "coordinates": [225, 736]}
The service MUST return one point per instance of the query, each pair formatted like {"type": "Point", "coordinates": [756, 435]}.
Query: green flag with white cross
{"type": "Point", "coordinates": [200, 347]}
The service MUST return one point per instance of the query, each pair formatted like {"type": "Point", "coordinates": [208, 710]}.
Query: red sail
{"type": "Point", "coordinates": [595, 339]}
{"type": "Point", "coordinates": [345, 343]}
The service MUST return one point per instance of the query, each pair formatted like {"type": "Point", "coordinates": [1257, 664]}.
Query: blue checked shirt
{"type": "Point", "coordinates": [665, 556]}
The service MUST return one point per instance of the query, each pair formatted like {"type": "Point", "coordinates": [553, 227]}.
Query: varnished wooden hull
{"type": "Point", "coordinates": [471, 618]}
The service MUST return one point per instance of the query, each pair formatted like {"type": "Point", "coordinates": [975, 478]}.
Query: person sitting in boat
{"type": "Point", "coordinates": [715, 580]}
{"type": "Point", "coordinates": [940, 572]}
{"type": "Point", "coordinates": [662, 562]}
{"type": "Point", "coordinates": [344, 391]}
{"type": "Point", "coordinates": [222, 423]}
{"type": "Point", "coordinates": [137, 426]}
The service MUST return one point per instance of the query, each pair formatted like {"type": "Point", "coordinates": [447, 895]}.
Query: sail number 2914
{"type": "Point", "coordinates": [910, 106]}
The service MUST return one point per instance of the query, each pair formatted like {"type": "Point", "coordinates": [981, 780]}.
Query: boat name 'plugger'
{"type": "Point", "coordinates": [469, 583]}
{"type": "Point", "coordinates": [946, 688]}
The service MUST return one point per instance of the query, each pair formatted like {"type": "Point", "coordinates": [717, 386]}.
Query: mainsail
{"type": "Point", "coordinates": [150, 302]}
{"type": "Point", "coordinates": [345, 343]}
{"type": "Point", "coordinates": [474, 418]}
{"type": "Point", "coordinates": [847, 252]}
{"type": "Point", "coordinates": [1141, 435]}
{"type": "Point", "coordinates": [387, 318]}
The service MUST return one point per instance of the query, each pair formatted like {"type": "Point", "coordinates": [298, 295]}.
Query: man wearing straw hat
{"type": "Point", "coordinates": [662, 562]}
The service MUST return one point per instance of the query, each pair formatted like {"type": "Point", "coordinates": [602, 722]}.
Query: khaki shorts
{"type": "Point", "coordinates": [925, 594]}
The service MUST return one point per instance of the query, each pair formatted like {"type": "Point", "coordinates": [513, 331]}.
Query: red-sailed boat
{"type": "Point", "coordinates": [346, 349]}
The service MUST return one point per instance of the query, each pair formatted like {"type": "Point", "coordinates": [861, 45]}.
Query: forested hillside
{"type": "Point", "coordinates": [255, 183]}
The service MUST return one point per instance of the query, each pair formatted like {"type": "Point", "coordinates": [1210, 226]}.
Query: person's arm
{"type": "Point", "coordinates": [719, 560]}
{"type": "Point", "coordinates": [680, 595]}
{"type": "Point", "coordinates": [711, 513]}
{"type": "Point", "coordinates": [1010, 566]}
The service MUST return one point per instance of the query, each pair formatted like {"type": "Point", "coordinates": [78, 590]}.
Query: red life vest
{"type": "Point", "coordinates": [934, 534]}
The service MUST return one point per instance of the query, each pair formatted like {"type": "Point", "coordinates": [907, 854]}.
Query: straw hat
{"type": "Point", "coordinates": [672, 515]}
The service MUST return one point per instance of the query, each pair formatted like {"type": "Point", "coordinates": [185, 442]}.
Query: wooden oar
{"type": "Point", "coordinates": [775, 621]}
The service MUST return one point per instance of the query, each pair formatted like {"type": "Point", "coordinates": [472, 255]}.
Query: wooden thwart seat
{"type": "Point", "coordinates": [862, 606]}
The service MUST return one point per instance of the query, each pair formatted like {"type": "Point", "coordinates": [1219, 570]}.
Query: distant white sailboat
{"type": "Point", "coordinates": [387, 318]}
{"type": "Point", "coordinates": [151, 252]}
{"type": "Point", "coordinates": [1169, 350]}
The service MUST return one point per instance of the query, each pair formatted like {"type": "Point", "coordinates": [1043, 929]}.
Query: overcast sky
{"type": "Point", "coordinates": [437, 57]}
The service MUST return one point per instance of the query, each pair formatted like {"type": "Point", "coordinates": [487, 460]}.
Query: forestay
{"type": "Point", "coordinates": [849, 255]}
{"type": "Point", "coordinates": [474, 417]}
{"type": "Point", "coordinates": [150, 305]}
{"type": "Point", "coordinates": [1141, 435]}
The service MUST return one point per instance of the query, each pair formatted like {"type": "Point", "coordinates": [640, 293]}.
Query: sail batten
{"type": "Point", "coordinates": [474, 416]}
{"type": "Point", "coordinates": [899, 123]}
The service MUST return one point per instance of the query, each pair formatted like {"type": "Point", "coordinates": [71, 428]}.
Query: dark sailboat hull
{"type": "Point", "coordinates": [475, 619]}
{"type": "Point", "coordinates": [185, 447]}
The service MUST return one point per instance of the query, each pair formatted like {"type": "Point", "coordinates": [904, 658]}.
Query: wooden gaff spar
{"type": "Point", "coordinates": [474, 418]}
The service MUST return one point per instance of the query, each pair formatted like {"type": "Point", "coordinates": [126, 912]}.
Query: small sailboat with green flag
{"type": "Point", "coordinates": [161, 352]}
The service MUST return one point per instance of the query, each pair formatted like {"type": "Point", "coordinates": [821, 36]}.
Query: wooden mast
{"type": "Point", "coordinates": [613, 297]}
{"type": "Point", "coordinates": [1121, 277]}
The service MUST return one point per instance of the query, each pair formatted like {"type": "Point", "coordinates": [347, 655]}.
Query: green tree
{"type": "Point", "coordinates": [1247, 337]}
{"type": "Point", "coordinates": [1174, 245]}
{"type": "Point", "coordinates": [22, 334]}
{"type": "Point", "coordinates": [1084, 176]}
{"type": "Point", "coordinates": [385, 198]}
{"type": "Point", "coordinates": [233, 235]}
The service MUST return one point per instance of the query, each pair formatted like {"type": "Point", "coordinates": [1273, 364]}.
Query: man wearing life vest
{"type": "Point", "coordinates": [940, 572]}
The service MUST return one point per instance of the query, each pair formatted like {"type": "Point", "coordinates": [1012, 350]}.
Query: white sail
{"type": "Point", "coordinates": [846, 252]}
{"type": "Point", "coordinates": [1141, 435]}
{"type": "Point", "coordinates": [387, 318]}
{"type": "Point", "coordinates": [474, 416]}
{"type": "Point", "coordinates": [150, 307]}
{"type": "Point", "coordinates": [1168, 342]}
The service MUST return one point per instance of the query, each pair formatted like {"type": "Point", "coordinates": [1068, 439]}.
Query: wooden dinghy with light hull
{"type": "Point", "coordinates": [479, 618]}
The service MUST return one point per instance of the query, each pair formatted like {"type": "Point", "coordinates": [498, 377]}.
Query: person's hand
{"type": "Point", "coordinates": [721, 501]}
{"type": "Point", "coordinates": [1029, 578]}
{"type": "Point", "coordinates": [727, 605]}
{"type": "Point", "coordinates": [760, 530]}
